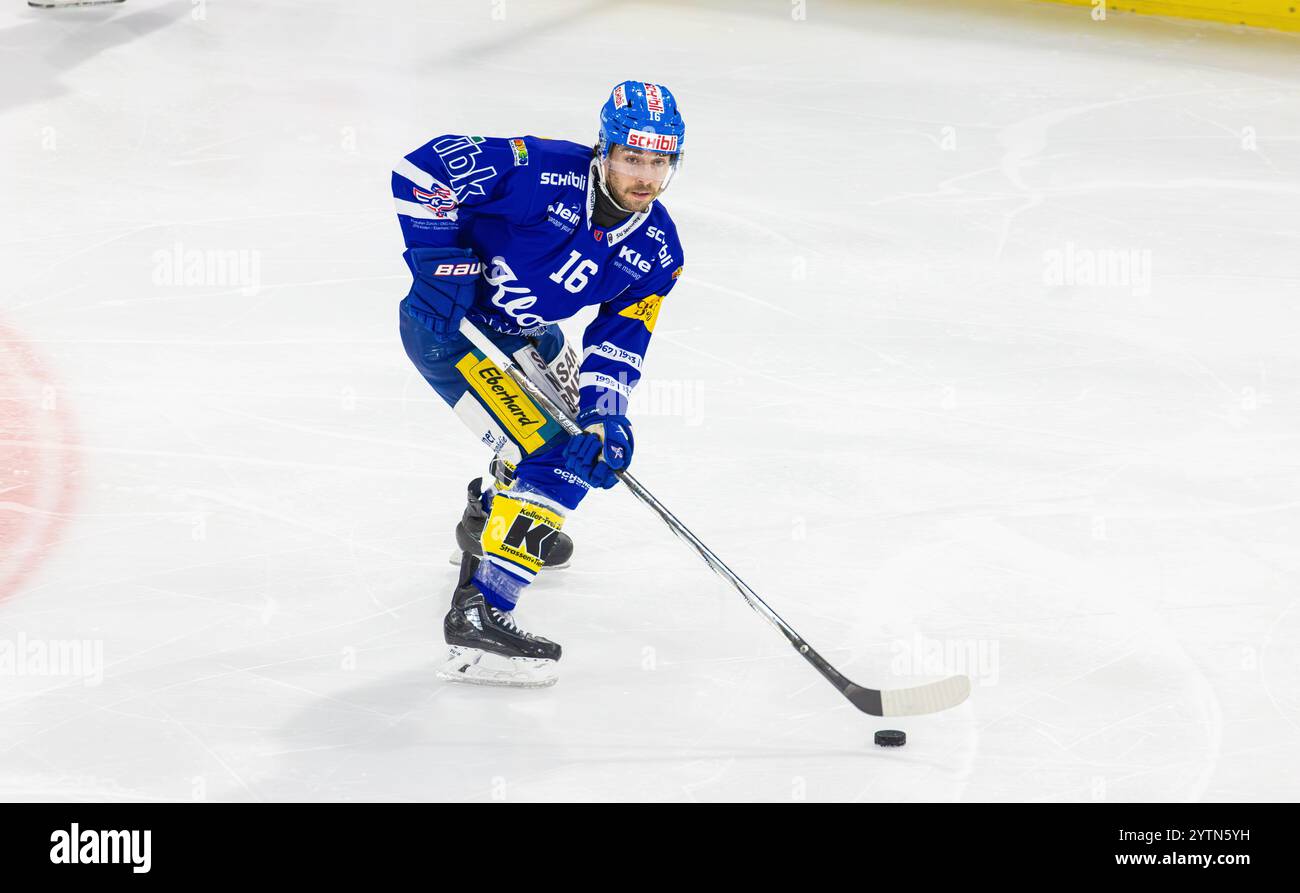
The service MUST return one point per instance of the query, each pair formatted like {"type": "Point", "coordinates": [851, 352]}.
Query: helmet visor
{"type": "Point", "coordinates": [641, 165]}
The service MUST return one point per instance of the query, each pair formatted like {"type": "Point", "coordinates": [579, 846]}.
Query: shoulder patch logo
{"type": "Point", "coordinates": [677, 272]}
{"type": "Point", "coordinates": [646, 310]}
{"type": "Point", "coordinates": [440, 201]}
{"type": "Point", "coordinates": [520, 150]}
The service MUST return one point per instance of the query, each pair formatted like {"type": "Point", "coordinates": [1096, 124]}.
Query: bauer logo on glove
{"type": "Point", "coordinates": [444, 282]}
{"type": "Point", "coordinates": [468, 269]}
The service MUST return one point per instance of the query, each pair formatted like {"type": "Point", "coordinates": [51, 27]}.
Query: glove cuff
{"type": "Point", "coordinates": [592, 416]}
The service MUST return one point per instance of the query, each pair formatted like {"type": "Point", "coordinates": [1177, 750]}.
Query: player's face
{"type": "Point", "coordinates": [636, 178]}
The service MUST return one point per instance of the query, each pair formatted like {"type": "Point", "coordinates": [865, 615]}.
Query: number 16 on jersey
{"type": "Point", "coordinates": [577, 280]}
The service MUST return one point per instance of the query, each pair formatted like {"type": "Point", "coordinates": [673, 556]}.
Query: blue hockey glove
{"type": "Point", "coordinates": [446, 280]}
{"type": "Point", "coordinates": [605, 447]}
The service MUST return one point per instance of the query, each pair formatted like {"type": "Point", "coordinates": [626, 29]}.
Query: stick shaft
{"type": "Point", "coordinates": [716, 564]}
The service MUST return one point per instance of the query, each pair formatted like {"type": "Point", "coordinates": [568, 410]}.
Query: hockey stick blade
{"type": "Point", "coordinates": [931, 698]}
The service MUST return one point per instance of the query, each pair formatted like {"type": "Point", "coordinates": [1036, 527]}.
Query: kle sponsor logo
{"type": "Point", "coordinates": [634, 258]}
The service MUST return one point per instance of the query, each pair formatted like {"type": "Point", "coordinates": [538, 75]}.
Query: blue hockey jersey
{"type": "Point", "coordinates": [524, 205]}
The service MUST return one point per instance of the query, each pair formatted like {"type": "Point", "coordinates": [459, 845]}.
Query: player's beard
{"type": "Point", "coordinates": [626, 199]}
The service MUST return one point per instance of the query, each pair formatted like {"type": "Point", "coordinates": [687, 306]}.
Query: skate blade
{"type": "Point", "coordinates": [454, 558]}
{"type": "Point", "coordinates": [475, 667]}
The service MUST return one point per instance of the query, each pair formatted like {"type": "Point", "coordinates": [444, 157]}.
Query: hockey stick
{"type": "Point", "coordinates": [929, 698]}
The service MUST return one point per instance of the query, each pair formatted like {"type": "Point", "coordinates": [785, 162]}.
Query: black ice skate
{"type": "Point", "coordinates": [486, 647]}
{"type": "Point", "coordinates": [470, 529]}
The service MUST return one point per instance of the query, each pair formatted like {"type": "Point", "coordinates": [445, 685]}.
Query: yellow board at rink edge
{"type": "Point", "coordinates": [1282, 15]}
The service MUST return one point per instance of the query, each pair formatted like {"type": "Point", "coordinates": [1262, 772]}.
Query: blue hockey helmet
{"type": "Point", "coordinates": [641, 115]}
{"type": "Point", "coordinates": [644, 118]}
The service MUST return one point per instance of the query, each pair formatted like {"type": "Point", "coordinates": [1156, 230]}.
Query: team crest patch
{"type": "Point", "coordinates": [677, 272]}
{"type": "Point", "coordinates": [440, 201]}
{"type": "Point", "coordinates": [520, 149]}
{"type": "Point", "coordinates": [598, 234]}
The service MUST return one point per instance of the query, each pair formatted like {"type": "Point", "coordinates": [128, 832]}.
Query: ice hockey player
{"type": "Point", "coordinates": [515, 235]}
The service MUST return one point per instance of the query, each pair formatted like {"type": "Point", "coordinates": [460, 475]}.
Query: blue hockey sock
{"type": "Point", "coordinates": [501, 589]}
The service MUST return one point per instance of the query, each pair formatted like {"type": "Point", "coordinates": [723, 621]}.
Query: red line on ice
{"type": "Point", "coordinates": [38, 462]}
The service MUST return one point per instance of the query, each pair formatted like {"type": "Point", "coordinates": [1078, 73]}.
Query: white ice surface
{"type": "Point", "coordinates": [873, 404]}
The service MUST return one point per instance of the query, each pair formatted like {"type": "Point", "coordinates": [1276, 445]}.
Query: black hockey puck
{"type": "Point", "coordinates": [891, 738]}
